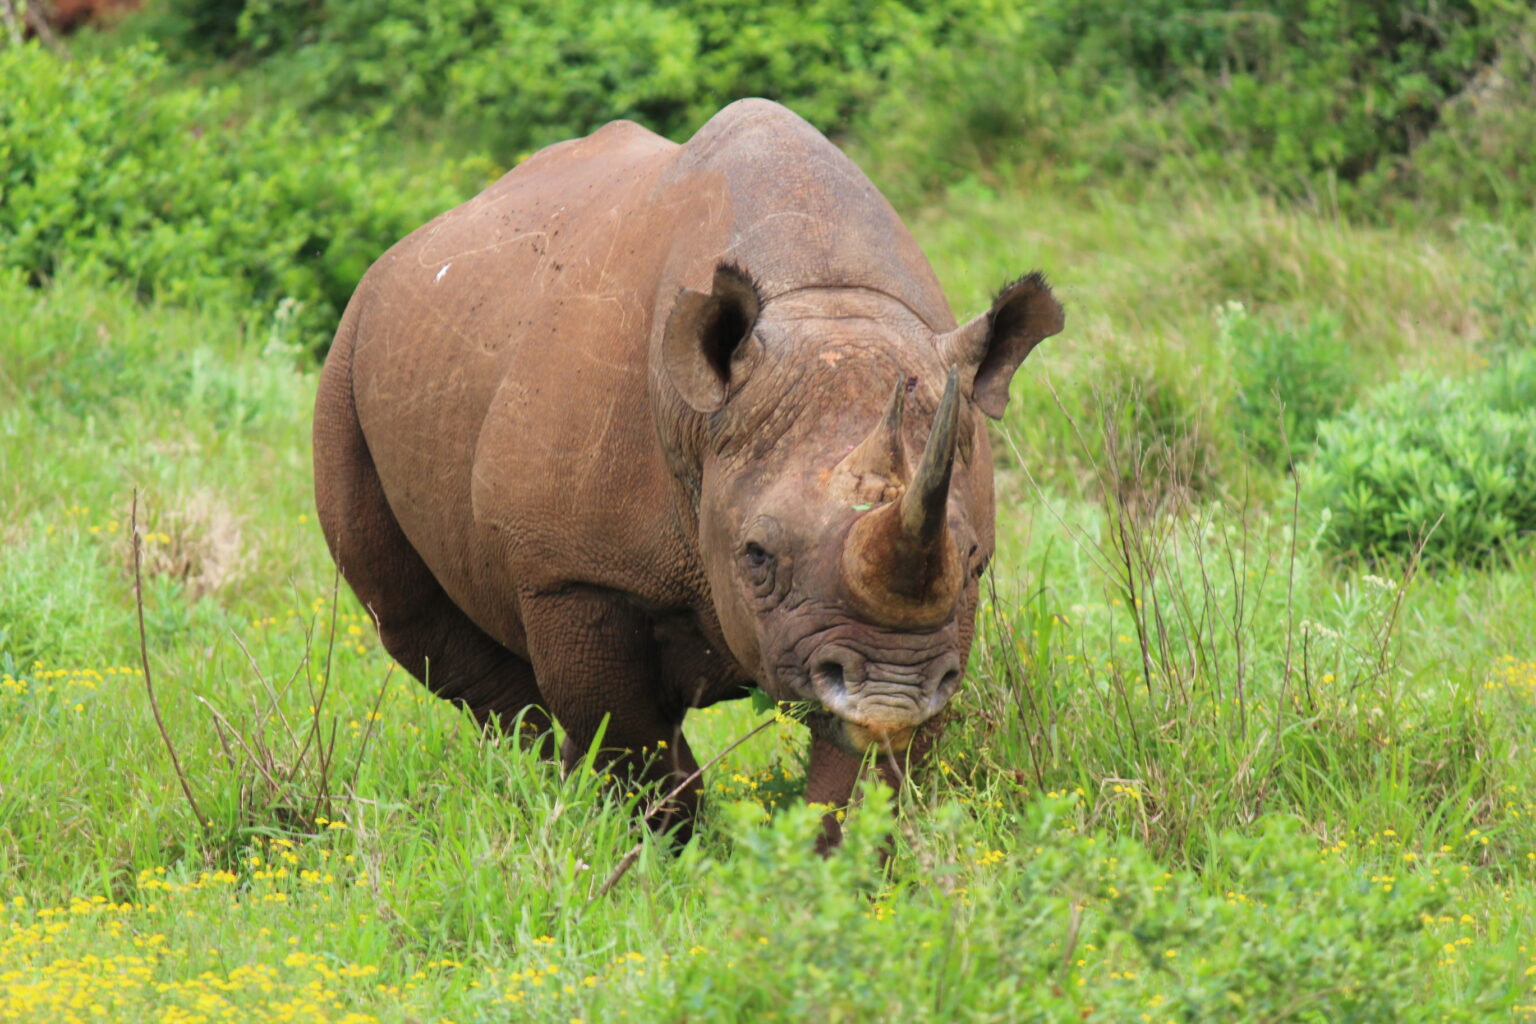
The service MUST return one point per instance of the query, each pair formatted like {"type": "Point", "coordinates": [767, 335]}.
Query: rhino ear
{"type": "Point", "coordinates": [992, 346]}
{"type": "Point", "coordinates": [702, 334]}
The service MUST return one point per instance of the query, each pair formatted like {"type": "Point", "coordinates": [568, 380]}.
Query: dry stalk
{"type": "Point", "coordinates": [149, 686]}
{"type": "Point", "coordinates": [373, 717]}
{"type": "Point", "coordinates": [1290, 598]}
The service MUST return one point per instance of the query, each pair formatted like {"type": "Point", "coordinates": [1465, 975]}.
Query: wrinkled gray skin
{"type": "Point", "coordinates": [643, 425]}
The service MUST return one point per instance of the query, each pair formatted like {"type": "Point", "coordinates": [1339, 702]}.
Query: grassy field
{"type": "Point", "coordinates": [1204, 770]}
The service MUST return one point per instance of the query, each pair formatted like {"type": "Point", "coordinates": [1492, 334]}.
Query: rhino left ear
{"type": "Point", "coordinates": [704, 332]}
{"type": "Point", "coordinates": [994, 344]}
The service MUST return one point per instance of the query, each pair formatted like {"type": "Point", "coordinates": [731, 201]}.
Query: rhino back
{"type": "Point", "coordinates": [499, 381]}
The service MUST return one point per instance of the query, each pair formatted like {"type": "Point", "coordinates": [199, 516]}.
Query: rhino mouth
{"type": "Point", "coordinates": [859, 740]}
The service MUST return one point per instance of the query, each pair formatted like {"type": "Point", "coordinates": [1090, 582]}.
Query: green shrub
{"type": "Point", "coordinates": [1451, 459]}
{"type": "Point", "coordinates": [1289, 378]}
{"type": "Point", "coordinates": [519, 75]}
{"type": "Point", "coordinates": [105, 163]}
{"type": "Point", "coordinates": [1478, 155]}
{"type": "Point", "coordinates": [1363, 105]}
{"type": "Point", "coordinates": [1303, 98]}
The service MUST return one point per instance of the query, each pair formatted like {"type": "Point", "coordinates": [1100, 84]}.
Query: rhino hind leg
{"type": "Point", "coordinates": [442, 648]}
{"type": "Point", "coordinates": [419, 624]}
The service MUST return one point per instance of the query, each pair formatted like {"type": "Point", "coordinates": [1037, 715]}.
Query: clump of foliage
{"type": "Point", "coordinates": [1478, 155]}
{"type": "Point", "coordinates": [104, 163]}
{"type": "Point", "coordinates": [1290, 377]}
{"type": "Point", "coordinates": [1451, 462]}
{"type": "Point", "coordinates": [1324, 101]}
{"type": "Point", "coordinates": [519, 75]}
{"type": "Point", "coordinates": [1363, 104]}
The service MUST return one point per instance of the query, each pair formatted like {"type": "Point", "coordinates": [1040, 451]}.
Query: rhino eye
{"type": "Point", "coordinates": [756, 557]}
{"type": "Point", "coordinates": [763, 574]}
{"type": "Point", "coordinates": [763, 562]}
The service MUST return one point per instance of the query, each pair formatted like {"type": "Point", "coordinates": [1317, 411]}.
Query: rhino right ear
{"type": "Point", "coordinates": [704, 333]}
{"type": "Point", "coordinates": [990, 348]}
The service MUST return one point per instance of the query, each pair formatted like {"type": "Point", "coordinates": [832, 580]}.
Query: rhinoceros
{"type": "Point", "coordinates": [644, 425]}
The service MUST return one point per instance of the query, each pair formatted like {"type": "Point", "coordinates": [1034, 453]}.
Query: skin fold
{"type": "Point", "coordinates": [644, 425]}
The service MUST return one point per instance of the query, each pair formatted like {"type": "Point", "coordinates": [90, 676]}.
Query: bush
{"type": "Point", "coordinates": [1289, 379]}
{"type": "Point", "coordinates": [515, 76]}
{"type": "Point", "coordinates": [104, 163]}
{"type": "Point", "coordinates": [1364, 105]}
{"type": "Point", "coordinates": [1478, 156]}
{"type": "Point", "coordinates": [1158, 438]}
{"type": "Point", "coordinates": [1302, 98]}
{"type": "Point", "coordinates": [1451, 459]}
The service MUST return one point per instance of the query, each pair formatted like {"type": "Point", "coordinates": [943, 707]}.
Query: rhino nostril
{"type": "Point", "coordinates": [828, 676]}
{"type": "Point", "coordinates": [948, 683]}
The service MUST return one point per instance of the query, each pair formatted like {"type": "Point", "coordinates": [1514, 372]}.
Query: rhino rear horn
{"type": "Point", "coordinates": [702, 342]}
{"type": "Point", "coordinates": [884, 453]}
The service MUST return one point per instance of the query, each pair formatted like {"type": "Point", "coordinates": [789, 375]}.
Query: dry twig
{"type": "Point", "coordinates": [149, 687]}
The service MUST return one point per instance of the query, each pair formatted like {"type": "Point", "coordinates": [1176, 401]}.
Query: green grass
{"type": "Point", "coordinates": [1316, 805]}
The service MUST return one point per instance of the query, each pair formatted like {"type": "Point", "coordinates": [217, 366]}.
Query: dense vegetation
{"type": "Point", "coordinates": [1250, 723]}
{"type": "Point", "coordinates": [1369, 103]}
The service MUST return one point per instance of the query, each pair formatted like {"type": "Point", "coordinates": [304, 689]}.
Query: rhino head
{"type": "Point", "coordinates": [843, 483]}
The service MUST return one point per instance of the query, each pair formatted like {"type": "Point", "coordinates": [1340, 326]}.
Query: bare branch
{"type": "Point", "coordinates": [149, 687]}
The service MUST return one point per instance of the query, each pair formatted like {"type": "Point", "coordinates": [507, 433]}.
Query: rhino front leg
{"type": "Point", "coordinates": [594, 656]}
{"type": "Point", "coordinates": [830, 779]}
{"type": "Point", "coordinates": [833, 774]}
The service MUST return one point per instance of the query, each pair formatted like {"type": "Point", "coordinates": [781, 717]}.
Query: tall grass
{"type": "Point", "coordinates": [1193, 660]}
{"type": "Point", "coordinates": [1200, 772]}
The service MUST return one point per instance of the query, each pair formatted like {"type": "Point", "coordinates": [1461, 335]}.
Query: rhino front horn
{"type": "Point", "coordinates": [923, 506]}
{"type": "Point", "coordinates": [899, 563]}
